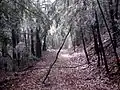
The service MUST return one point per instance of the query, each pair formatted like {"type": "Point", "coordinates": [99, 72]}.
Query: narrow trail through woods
{"type": "Point", "coordinates": [70, 72]}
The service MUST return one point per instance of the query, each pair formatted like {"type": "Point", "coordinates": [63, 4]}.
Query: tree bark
{"type": "Point", "coordinates": [25, 39]}
{"type": "Point", "coordinates": [117, 7]}
{"type": "Point", "coordinates": [28, 39]}
{"type": "Point", "coordinates": [32, 43]}
{"type": "Point", "coordinates": [14, 43]}
{"type": "Point", "coordinates": [113, 23]}
{"type": "Point", "coordinates": [4, 48]}
{"type": "Point", "coordinates": [85, 47]}
{"type": "Point", "coordinates": [96, 45]}
{"type": "Point", "coordinates": [44, 43]}
{"type": "Point", "coordinates": [38, 44]}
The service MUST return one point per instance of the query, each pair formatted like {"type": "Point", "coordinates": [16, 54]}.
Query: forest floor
{"type": "Point", "coordinates": [70, 72]}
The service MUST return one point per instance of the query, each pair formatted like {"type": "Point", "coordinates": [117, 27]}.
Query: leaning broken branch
{"type": "Point", "coordinates": [51, 66]}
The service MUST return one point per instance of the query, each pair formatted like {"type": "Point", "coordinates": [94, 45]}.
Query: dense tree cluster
{"type": "Point", "coordinates": [23, 30]}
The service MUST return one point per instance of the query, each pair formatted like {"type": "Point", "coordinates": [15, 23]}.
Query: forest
{"type": "Point", "coordinates": [59, 45]}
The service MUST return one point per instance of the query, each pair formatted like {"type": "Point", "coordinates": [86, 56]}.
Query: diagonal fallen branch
{"type": "Point", "coordinates": [51, 66]}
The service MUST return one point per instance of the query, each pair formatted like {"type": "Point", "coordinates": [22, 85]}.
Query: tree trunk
{"type": "Point", "coordinates": [85, 47]}
{"type": "Point", "coordinates": [101, 44]}
{"type": "Point", "coordinates": [25, 39]}
{"type": "Point", "coordinates": [14, 43]}
{"type": "Point", "coordinates": [32, 43]}
{"type": "Point", "coordinates": [28, 39]}
{"type": "Point", "coordinates": [17, 36]}
{"type": "Point", "coordinates": [4, 48]}
{"type": "Point", "coordinates": [44, 43]}
{"type": "Point", "coordinates": [116, 9]}
{"type": "Point", "coordinates": [114, 28]}
{"type": "Point", "coordinates": [38, 44]}
{"type": "Point", "coordinates": [96, 45]}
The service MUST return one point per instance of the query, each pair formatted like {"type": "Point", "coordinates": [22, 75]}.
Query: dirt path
{"type": "Point", "coordinates": [69, 73]}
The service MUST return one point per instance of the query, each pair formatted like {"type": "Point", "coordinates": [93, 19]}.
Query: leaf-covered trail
{"type": "Point", "coordinates": [69, 73]}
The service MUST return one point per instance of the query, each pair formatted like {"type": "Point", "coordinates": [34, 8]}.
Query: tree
{"type": "Point", "coordinates": [38, 44]}
{"type": "Point", "coordinates": [96, 46]}
{"type": "Point", "coordinates": [113, 23]}
{"type": "Point", "coordinates": [100, 43]}
{"type": "Point", "coordinates": [114, 48]}
{"type": "Point", "coordinates": [44, 43]}
{"type": "Point", "coordinates": [85, 47]}
{"type": "Point", "coordinates": [32, 43]}
{"type": "Point", "coordinates": [14, 43]}
{"type": "Point", "coordinates": [116, 8]}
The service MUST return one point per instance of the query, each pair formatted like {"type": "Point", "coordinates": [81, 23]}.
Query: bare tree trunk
{"type": "Point", "coordinates": [101, 44]}
{"type": "Point", "coordinates": [117, 7]}
{"type": "Point", "coordinates": [85, 47]}
{"type": "Point", "coordinates": [114, 48]}
{"type": "Point", "coordinates": [44, 43]}
{"type": "Point", "coordinates": [4, 48]}
{"type": "Point", "coordinates": [38, 44]}
{"type": "Point", "coordinates": [17, 36]}
{"type": "Point", "coordinates": [25, 39]}
{"type": "Point", "coordinates": [49, 70]}
{"type": "Point", "coordinates": [17, 41]}
{"type": "Point", "coordinates": [96, 44]}
{"type": "Point", "coordinates": [114, 28]}
{"type": "Point", "coordinates": [14, 43]}
{"type": "Point", "coordinates": [32, 43]}
{"type": "Point", "coordinates": [28, 39]}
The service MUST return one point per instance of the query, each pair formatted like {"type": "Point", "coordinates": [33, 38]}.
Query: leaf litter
{"type": "Point", "coordinates": [80, 77]}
